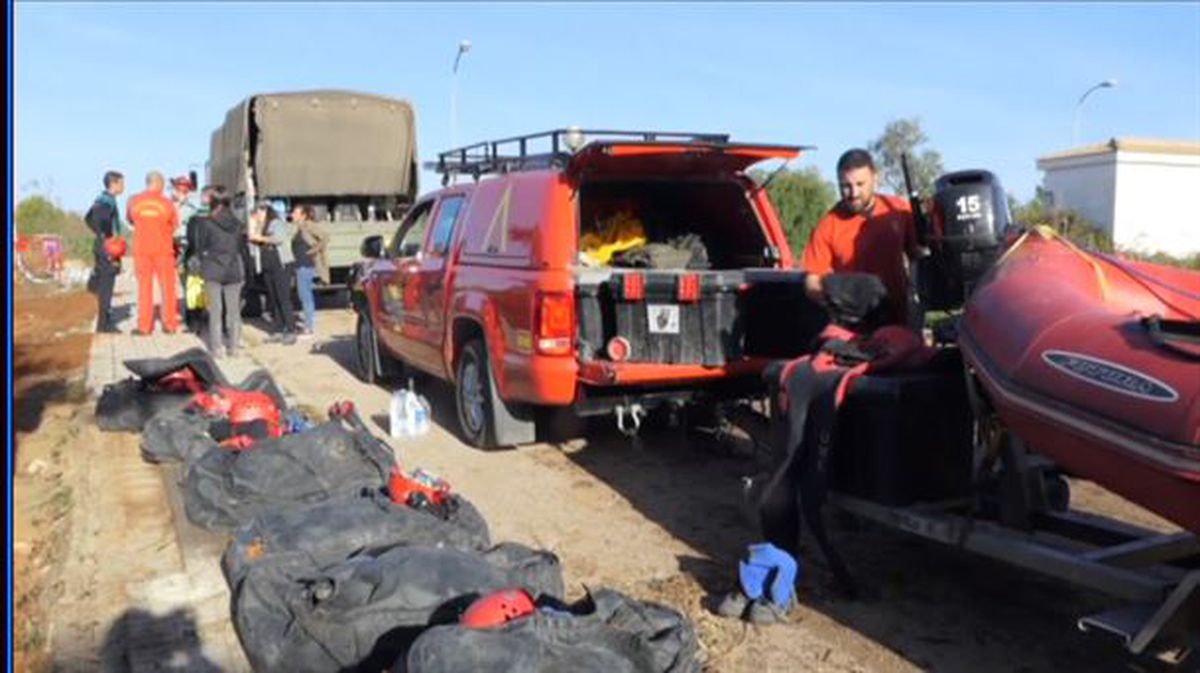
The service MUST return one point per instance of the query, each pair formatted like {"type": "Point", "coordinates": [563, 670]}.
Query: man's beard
{"type": "Point", "coordinates": [849, 206]}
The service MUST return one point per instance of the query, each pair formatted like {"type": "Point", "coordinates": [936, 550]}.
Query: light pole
{"type": "Point", "coordinates": [1106, 84]}
{"type": "Point", "coordinates": [463, 47]}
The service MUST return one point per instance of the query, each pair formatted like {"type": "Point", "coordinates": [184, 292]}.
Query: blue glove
{"type": "Point", "coordinates": [768, 570]}
{"type": "Point", "coordinates": [295, 421]}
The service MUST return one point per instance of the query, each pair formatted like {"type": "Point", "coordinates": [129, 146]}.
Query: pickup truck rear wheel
{"type": "Point", "coordinates": [473, 396]}
{"type": "Point", "coordinates": [366, 352]}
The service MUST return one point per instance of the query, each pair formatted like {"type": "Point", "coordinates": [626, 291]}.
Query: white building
{"type": "Point", "coordinates": [1141, 191]}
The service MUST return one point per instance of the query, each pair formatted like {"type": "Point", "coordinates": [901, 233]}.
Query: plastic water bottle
{"type": "Point", "coordinates": [396, 413]}
{"type": "Point", "coordinates": [409, 413]}
{"type": "Point", "coordinates": [420, 415]}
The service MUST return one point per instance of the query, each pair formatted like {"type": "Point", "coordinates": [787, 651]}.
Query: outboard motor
{"type": "Point", "coordinates": [970, 214]}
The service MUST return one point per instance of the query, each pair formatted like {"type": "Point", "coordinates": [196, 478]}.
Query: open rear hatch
{"type": "Point", "coordinates": [665, 158]}
{"type": "Point", "coordinates": [647, 315]}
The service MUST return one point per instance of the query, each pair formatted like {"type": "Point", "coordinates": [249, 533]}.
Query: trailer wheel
{"type": "Point", "coordinates": [473, 396]}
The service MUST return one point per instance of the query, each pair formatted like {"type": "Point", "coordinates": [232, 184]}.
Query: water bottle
{"type": "Point", "coordinates": [421, 422]}
{"type": "Point", "coordinates": [396, 413]}
{"type": "Point", "coordinates": [409, 413]}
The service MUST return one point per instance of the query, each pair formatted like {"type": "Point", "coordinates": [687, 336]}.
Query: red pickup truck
{"type": "Point", "coordinates": [608, 272]}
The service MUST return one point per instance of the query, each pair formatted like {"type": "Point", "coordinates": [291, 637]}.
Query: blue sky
{"type": "Point", "coordinates": [141, 86]}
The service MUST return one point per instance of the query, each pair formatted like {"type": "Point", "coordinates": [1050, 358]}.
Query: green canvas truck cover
{"type": "Point", "coordinates": [318, 143]}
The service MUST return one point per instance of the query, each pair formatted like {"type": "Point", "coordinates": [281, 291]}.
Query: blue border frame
{"type": "Point", "coordinates": [8, 338]}
{"type": "Point", "coordinates": [9, 460]}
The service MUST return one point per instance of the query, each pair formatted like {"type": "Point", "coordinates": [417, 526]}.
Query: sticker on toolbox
{"type": "Point", "coordinates": [663, 318]}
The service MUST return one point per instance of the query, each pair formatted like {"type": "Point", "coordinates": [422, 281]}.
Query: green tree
{"type": "Point", "coordinates": [905, 137]}
{"type": "Point", "coordinates": [800, 197]}
{"type": "Point", "coordinates": [38, 215]}
{"type": "Point", "coordinates": [1070, 223]}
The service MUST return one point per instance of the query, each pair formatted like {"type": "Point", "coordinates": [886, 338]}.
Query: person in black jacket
{"type": "Point", "coordinates": [104, 219]}
{"type": "Point", "coordinates": [220, 236]}
{"type": "Point", "coordinates": [194, 318]}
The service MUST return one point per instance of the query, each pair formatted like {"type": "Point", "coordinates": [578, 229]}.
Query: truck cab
{"type": "Point", "coordinates": [606, 272]}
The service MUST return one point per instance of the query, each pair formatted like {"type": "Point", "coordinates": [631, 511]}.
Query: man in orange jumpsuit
{"type": "Point", "coordinates": [154, 219]}
{"type": "Point", "coordinates": [865, 232]}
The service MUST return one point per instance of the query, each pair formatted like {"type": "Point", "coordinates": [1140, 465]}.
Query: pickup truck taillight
{"type": "Point", "coordinates": [555, 323]}
{"type": "Point", "coordinates": [688, 287]}
{"type": "Point", "coordinates": [633, 287]}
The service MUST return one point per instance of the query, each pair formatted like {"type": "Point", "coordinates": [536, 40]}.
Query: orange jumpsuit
{"type": "Point", "coordinates": [874, 242]}
{"type": "Point", "coordinates": [154, 221]}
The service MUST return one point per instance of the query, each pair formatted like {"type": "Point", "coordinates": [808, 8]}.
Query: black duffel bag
{"type": "Point", "coordinates": [329, 532]}
{"type": "Point", "coordinates": [606, 632]}
{"type": "Point", "coordinates": [176, 435]}
{"type": "Point", "coordinates": [156, 387]}
{"type": "Point", "coordinates": [362, 614]}
{"type": "Point", "coordinates": [225, 489]}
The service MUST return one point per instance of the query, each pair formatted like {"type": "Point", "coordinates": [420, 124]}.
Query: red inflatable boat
{"type": "Point", "coordinates": [1094, 361]}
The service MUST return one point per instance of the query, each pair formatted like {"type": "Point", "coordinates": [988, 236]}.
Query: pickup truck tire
{"type": "Point", "coordinates": [485, 420]}
{"type": "Point", "coordinates": [366, 351]}
{"type": "Point", "coordinates": [473, 396]}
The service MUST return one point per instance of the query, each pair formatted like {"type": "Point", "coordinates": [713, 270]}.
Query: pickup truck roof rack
{"type": "Point", "coordinates": [547, 149]}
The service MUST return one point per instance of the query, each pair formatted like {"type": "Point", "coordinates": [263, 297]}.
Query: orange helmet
{"type": "Point", "coordinates": [115, 247]}
{"type": "Point", "coordinates": [498, 608]}
{"type": "Point", "coordinates": [252, 406]}
{"type": "Point", "coordinates": [251, 414]}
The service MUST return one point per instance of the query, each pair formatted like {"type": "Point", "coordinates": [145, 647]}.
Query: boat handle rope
{"type": "Point", "coordinates": [1172, 334]}
{"type": "Point", "coordinates": [1050, 234]}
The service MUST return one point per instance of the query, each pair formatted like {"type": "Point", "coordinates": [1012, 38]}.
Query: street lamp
{"type": "Point", "coordinates": [463, 47]}
{"type": "Point", "coordinates": [1106, 84]}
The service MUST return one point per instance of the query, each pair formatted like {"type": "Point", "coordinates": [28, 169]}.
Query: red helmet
{"type": "Point", "coordinates": [115, 247]}
{"type": "Point", "coordinates": [251, 413]}
{"type": "Point", "coordinates": [498, 608]}
{"type": "Point", "coordinates": [254, 407]}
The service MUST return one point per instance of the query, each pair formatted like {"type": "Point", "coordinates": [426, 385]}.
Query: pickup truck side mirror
{"type": "Point", "coordinates": [372, 247]}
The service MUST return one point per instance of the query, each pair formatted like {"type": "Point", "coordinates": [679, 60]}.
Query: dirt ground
{"type": "Point", "coordinates": [660, 519]}
{"type": "Point", "coordinates": [51, 341]}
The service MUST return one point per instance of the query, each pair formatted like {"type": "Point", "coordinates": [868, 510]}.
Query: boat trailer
{"type": "Point", "coordinates": [1156, 575]}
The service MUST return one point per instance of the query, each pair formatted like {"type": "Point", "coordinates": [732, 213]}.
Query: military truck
{"type": "Point", "coordinates": [351, 156]}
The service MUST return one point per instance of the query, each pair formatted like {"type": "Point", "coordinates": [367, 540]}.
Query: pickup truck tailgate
{"type": "Point", "coordinates": [706, 318]}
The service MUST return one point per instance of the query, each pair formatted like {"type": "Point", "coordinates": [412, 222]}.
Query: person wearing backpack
{"type": "Point", "coordinates": [104, 219]}
{"type": "Point", "coordinates": [219, 237]}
